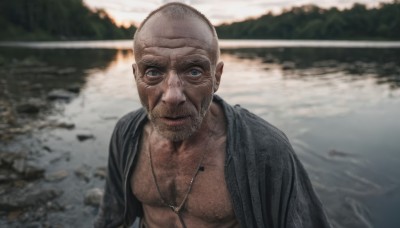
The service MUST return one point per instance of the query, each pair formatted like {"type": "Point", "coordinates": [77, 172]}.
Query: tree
{"type": "Point", "coordinates": [49, 19]}
{"type": "Point", "coordinates": [312, 22]}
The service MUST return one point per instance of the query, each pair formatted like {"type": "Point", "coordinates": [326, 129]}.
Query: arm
{"type": "Point", "coordinates": [287, 196]}
{"type": "Point", "coordinates": [303, 207]}
{"type": "Point", "coordinates": [268, 185]}
{"type": "Point", "coordinates": [111, 213]}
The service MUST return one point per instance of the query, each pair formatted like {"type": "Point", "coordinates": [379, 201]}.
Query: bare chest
{"type": "Point", "coordinates": [172, 180]}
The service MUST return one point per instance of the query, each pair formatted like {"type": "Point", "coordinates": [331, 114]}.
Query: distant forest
{"type": "Point", "coordinates": [56, 20]}
{"type": "Point", "coordinates": [72, 20]}
{"type": "Point", "coordinates": [312, 22]}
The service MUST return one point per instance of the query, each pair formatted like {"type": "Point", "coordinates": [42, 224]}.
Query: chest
{"type": "Point", "coordinates": [159, 181]}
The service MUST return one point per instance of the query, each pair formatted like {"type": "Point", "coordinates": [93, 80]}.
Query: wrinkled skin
{"type": "Point", "coordinates": [177, 73]}
{"type": "Point", "coordinates": [176, 77]}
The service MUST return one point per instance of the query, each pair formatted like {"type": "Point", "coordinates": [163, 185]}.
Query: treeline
{"type": "Point", "coordinates": [72, 20]}
{"type": "Point", "coordinates": [56, 20]}
{"type": "Point", "coordinates": [312, 22]}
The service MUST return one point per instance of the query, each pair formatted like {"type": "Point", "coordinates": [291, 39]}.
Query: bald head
{"type": "Point", "coordinates": [169, 19]}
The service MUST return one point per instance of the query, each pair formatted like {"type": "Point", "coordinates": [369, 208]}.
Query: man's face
{"type": "Point", "coordinates": [176, 74]}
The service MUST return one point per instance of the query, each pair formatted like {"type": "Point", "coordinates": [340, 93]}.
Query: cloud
{"type": "Point", "coordinates": [217, 11]}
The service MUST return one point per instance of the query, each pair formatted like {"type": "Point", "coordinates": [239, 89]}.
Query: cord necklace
{"type": "Point", "coordinates": [177, 208]}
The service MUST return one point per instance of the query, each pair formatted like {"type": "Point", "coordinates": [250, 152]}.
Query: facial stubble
{"type": "Point", "coordinates": [178, 133]}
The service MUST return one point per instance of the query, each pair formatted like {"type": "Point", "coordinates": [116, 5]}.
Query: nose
{"type": "Point", "coordinates": [173, 94]}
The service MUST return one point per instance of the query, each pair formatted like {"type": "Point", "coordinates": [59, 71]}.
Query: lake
{"type": "Point", "coordinates": [337, 101]}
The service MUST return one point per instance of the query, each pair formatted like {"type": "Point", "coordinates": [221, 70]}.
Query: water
{"type": "Point", "coordinates": [226, 44]}
{"type": "Point", "coordinates": [339, 107]}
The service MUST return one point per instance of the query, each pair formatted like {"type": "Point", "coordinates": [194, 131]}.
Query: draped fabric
{"type": "Point", "coordinates": [267, 183]}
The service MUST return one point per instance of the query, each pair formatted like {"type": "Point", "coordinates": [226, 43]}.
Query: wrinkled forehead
{"type": "Point", "coordinates": [161, 25]}
{"type": "Point", "coordinates": [166, 32]}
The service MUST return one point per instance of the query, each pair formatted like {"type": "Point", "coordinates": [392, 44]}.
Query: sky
{"type": "Point", "coordinates": [126, 12]}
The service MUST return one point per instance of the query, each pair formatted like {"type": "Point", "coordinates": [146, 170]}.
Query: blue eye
{"type": "Point", "coordinates": [153, 73]}
{"type": "Point", "coordinates": [194, 73]}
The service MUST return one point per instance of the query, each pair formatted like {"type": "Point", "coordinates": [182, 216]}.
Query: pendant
{"type": "Point", "coordinates": [175, 209]}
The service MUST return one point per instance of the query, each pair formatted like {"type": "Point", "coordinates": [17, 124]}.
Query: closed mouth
{"type": "Point", "coordinates": [175, 117]}
{"type": "Point", "coordinates": [175, 120]}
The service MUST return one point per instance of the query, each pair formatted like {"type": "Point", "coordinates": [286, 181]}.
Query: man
{"type": "Point", "coordinates": [187, 158]}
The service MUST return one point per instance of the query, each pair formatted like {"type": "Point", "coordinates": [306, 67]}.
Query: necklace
{"type": "Point", "coordinates": [177, 208]}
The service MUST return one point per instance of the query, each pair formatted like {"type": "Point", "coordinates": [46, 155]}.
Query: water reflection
{"type": "Point", "coordinates": [31, 78]}
{"type": "Point", "coordinates": [48, 99]}
{"type": "Point", "coordinates": [381, 63]}
{"type": "Point", "coordinates": [298, 83]}
{"type": "Point", "coordinates": [338, 107]}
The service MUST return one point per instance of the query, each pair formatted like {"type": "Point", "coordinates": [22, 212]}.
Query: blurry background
{"type": "Point", "coordinates": [325, 72]}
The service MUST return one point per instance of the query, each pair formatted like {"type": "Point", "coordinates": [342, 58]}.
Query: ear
{"type": "Point", "coordinates": [134, 69]}
{"type": "Point", "coordinates": [218, 73]}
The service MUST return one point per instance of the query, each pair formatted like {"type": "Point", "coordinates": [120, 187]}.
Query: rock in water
{"type": "Point", "coordinates": [83, 173]}
{"type": "Point", "coordinates": [287, 65]}
{"type": "Point", "coordinates": [56, 176]}
{"type": "Point", "coordinates": [18, 200]}
{"type": "Point", "coordinates": [93, 197]}
{"type": "Point", "coordinates": [83, 137]}
{"type": "Point", "coordinates": [74, 88]}
{"type": "Point", "coordinates": [69, 70]}
{"type": "Point", "coordinates": [60, 94]}
{"type": "Point", "coordinates": [101, 172]}
{"type": "Point", "coordinates": [32, 171]}
{"type": "Point", "coordinates": [31, 106]}
{"type": "Point", "coordinates": [18, 163]}
{"type": "Point", "coordinates": [28, 108]}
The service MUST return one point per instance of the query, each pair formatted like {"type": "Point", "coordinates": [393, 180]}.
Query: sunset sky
{"type": "Point", "coordinates": [134, 11]}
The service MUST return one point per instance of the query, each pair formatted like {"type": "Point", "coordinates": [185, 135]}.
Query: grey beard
{"type": "Point", "coordinates": [177, 134]}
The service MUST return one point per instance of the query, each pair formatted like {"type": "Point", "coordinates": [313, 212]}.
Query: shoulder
{"type": "Point", "coordinates": [246, 122]}
{"type": "Point", "coordinates": [131, 117]}
{"type": "Point", "coordinates": [251, 126]}
{"type": "Point", "coordinates": [254, 135]}
{"type": "Point", "coordinates": [255, 138]}
{"type": "Point", "coordinates": [269, 140]}
{"type": "Point", "coordinates": [127, 128]}
{"type": "Point", "coordinates": [129, 122]}
{"type": "Point", "coordinates": [124, 136]}
{"type": "Point", "coordinates": [258, 124]}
